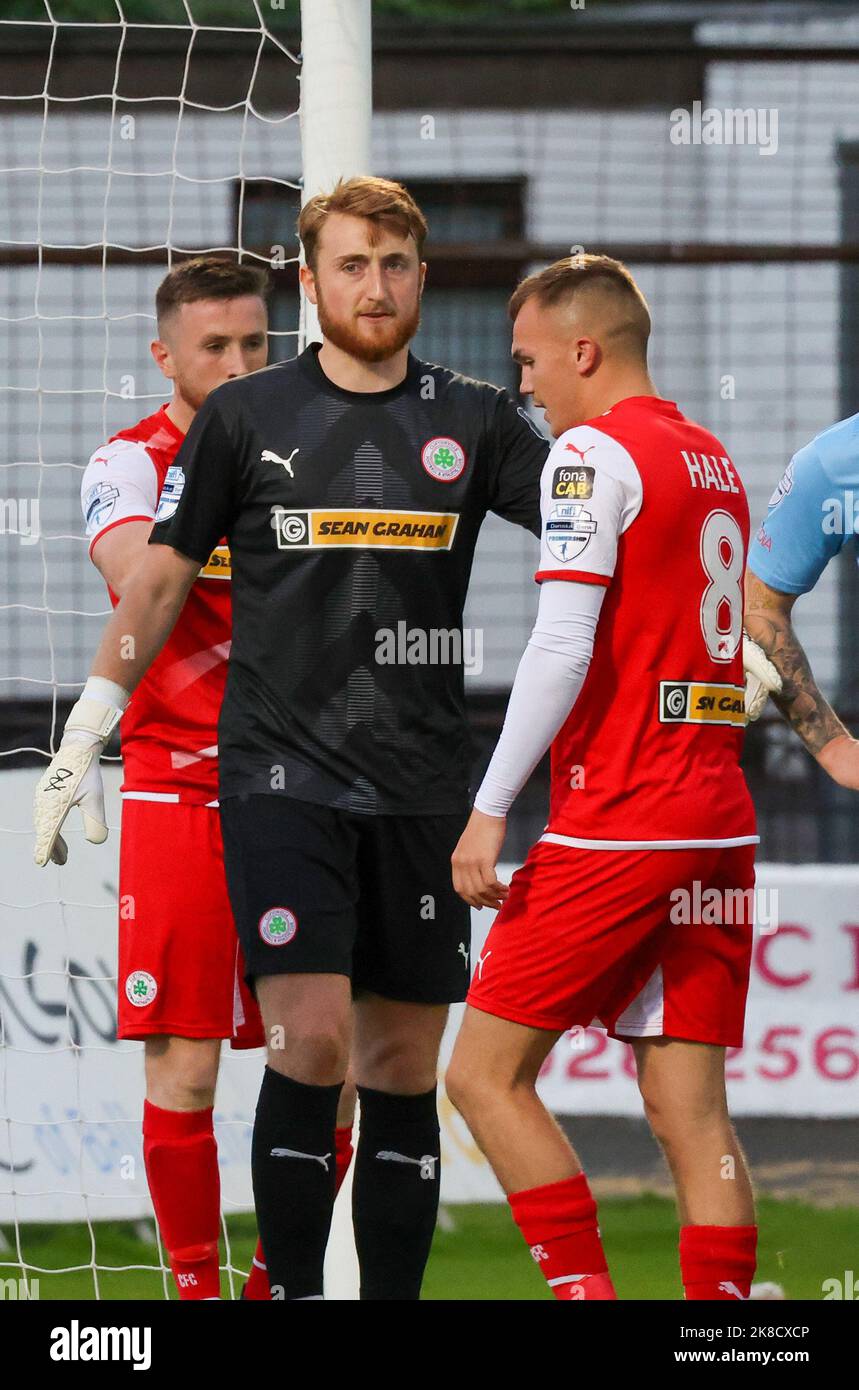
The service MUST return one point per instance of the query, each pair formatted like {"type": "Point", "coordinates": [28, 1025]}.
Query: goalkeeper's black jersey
{"type": "Point", "coordinates": [351, 519]}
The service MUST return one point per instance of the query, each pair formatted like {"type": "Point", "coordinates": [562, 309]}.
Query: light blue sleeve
{"type": "Point", "coordinates": [810, 515]}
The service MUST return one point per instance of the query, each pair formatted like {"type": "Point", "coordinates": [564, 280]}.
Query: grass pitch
{"type": "Point", "coordinates": [478, 1254]}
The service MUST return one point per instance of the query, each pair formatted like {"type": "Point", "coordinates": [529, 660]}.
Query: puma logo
{"type": "Point", "coordinates": [426, 1163]}
{"type": "Point", "coordinates": [269, 456]}
{"type": "Point", "coordinates": [296, 1153]}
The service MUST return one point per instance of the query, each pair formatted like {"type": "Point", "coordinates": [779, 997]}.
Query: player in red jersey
{"type": "Point", "coordinates": [181, 976]}
{"type": "Point", "coordinates": [634, 675]}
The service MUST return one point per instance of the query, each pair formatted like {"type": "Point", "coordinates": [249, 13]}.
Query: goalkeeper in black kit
{"type": "Point", "coordinates": [351, 484]}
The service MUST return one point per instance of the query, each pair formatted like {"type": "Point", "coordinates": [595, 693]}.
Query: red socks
{"type": "Point", "coordinates": [181, 1161]}
{"type": "Point", "coordinates": [559, 1222]}
{"type": "Point", "coordinates": [717, 1262]}
{"type": "Point", "coordinates": [257, 1287]}
{"type": "Point", "coordinates": [342, 1154]}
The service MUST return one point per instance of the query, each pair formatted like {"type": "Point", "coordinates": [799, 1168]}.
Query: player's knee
{"type": "Point", "coordinates": [400, 1065]}
{"type": "Point", "coordinates": [464, 1086]}
{"type": "Point", "coordinates": [677, 1123]}
{"type": "Point", "coordinates": [658, 1119]}
{"type": "Point", "coordinates": [182, 1078]}
{"type": "Point", "coordinates": [316, 1053]}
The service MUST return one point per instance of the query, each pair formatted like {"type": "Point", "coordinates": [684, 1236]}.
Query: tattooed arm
{"type": "Point", "coordinates": [767, 621]}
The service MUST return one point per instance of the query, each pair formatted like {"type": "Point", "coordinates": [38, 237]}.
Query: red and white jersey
{"type": "Point", "coordinates": [648, 504]}
{"type": "Point", "coordinates": [169, 730]}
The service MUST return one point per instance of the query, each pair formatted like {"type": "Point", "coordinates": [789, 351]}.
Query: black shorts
{"type": "Point", "coordinates": [320, 891]}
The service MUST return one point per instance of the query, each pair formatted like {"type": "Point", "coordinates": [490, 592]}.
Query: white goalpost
{"type": "Point", "coordinates": [336, 104]}
{"type": "Point", "coordinates": [103, 192]}
{"type": "Point", "coordinates": [336, 110]}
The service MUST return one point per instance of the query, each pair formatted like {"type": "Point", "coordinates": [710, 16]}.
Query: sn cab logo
{"type": "Point", "coordinates": [697, 702]}
{"type": "Point", "coordinates": [725, 704]}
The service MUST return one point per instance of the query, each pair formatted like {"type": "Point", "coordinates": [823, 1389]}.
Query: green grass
{"type": "Point", "coordinates": [482, 1256]}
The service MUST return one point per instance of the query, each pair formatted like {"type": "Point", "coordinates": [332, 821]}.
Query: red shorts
{"type": "Point", "coordinates": [180, 966]}
{"type": "Point", "coordinates": [597, 936]}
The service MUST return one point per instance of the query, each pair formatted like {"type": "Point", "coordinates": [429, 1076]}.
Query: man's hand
{"type": "Point", "coordinates": [840, 758]}
{"type": "Point", "coordinates": [474, 861]}
{"type": "Point", "coordinates": [73, 777]}
{"type": "Point", "coordinates": [762, 678]}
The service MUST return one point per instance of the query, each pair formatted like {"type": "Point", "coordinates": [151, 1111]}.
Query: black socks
{"type": "Point", "coordinates": [292, 1160]}
{"type": "Point", "coordinates": [395, 1192]}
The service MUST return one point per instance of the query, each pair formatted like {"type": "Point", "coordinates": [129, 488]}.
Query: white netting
{"type": "Point", "coordinates": [104, 188]}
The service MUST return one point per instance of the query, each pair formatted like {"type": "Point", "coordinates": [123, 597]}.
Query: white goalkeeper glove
{"type": "Point", "coordinates": [762, 678]}
{"type": "Point", "coordinates": [73, 777]}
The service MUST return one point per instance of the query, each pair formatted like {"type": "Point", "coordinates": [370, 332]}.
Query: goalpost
{"type": "Point", "coordinates": [336, 104]}
{"type": "Point", "coordinates": [104, 191]}
{"type": "Point", "coordinates": [336, 110]}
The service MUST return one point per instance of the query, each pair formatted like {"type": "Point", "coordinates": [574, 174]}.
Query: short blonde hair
{"type": "Point", "coordinates": [558, 284]}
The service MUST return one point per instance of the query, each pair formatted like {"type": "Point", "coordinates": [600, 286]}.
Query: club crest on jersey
{"type": "Point", "coordinates": [568, 530]}
{"type": "Point", "coordinates": [140, 988]}
{"type": "Point", "coordinates": [278, 926]}
{"type": "Point", "coordinates": [171, 491]}
{"type": "Point", "coordinates": [99, 503]}
{"type": "Point", "coordinates": [443, 459]}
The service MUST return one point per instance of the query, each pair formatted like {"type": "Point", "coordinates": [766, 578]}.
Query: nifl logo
{"type": "Point", "coordinates": [99, 503]}
{"type": "Point", "coordinates": [171, 492]}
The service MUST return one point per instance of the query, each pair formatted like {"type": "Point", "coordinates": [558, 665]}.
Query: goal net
{"type": "Point", "coordinates": [132, 135]}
